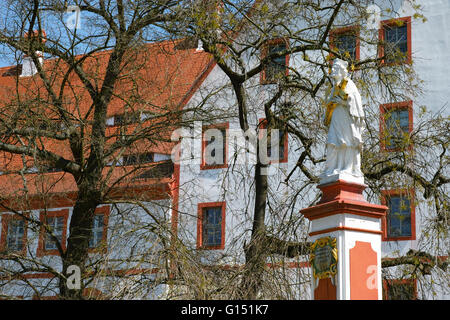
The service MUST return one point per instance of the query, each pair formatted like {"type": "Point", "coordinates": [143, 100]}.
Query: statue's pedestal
{"type": "Point", "coordinates": [354, 226]}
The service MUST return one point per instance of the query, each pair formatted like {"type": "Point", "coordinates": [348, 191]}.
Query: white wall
{"type": "Point", "coordinates": [431, 56]}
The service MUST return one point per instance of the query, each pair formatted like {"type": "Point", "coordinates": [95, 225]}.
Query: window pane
{"type": "Point", "coordinates": [98, 221]}
{"type": "Point", "coordinates": [119, 119]}
{"type": "Point", "coordinates": [212, 154]}
{"type": "Point", "coordinates": [277, 66]}
{"type": "Point", "coordinates": [397, 127]}
{"type": "Point", "coordinates": [212, 226]}
{"type": "Point", "coordinates": [97, 231]}
{"type": "Point", "coordinates": [15, 235]}
{"type": "Point", "coordinates": [346, 43]}
{"type": "Point", "coordinates": [132, 159]}
{"type": "Point", "coordinates": [396, 42]}
{"type": "Point", "coordinates": [127, 118]}
{"type": "Point", "coordinates": [56, 225]}
{"type": "Point", "coordinates": [280, 146]}
{"type": "Point", "coordinates": [401, 290]}
{"type": "Point", "coordinates": [399, 216]}
{"type": "Point", "coordinates": [403, 119]}
{"type": "Point", "coordinates": [146, 157]}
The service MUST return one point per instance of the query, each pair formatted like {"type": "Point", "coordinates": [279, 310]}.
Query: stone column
{"type": "Point", "coordinates": [346, 231]}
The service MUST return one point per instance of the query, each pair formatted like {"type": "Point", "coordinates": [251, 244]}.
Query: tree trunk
{"type": "Point", "coordinates": [79, 234]}
{"type": "Point", "coordinates": [255, 253]}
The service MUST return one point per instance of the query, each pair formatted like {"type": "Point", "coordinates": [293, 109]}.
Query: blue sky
{"type": "Point", "coordinates": [53, 24]}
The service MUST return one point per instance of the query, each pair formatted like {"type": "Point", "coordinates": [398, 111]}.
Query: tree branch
{"type": "Point", "coordinates": [421, 260]}
{"type": "Point", "coordinates": [56, 160]}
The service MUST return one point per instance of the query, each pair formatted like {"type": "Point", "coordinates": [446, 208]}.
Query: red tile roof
{"type": "Point", "coordinates": [157, 78]}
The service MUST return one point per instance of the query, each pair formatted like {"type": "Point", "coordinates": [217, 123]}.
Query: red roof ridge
{"type": "Point", "coordinates": [170, 42]}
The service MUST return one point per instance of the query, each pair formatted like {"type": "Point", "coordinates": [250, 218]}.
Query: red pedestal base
{"type": "Point", "coordinates": [343, 197]}
{"type": "Point", "coordinates": [341, 190]}
{"type": "Point", "coordinates": [343, 214]}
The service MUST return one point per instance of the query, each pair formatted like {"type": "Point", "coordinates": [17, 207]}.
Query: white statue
{"type": "Point", "coordinates": [345, 120]}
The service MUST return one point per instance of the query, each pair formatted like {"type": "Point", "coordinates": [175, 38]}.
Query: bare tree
{"type": "Point", "coordinates": [237, 34]}
{"type": "Point", "coordinates": [55, 122]}
{"type": "Point", "coordinates": [52, 107]}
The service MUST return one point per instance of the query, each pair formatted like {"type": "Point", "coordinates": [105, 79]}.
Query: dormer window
{"type": "Point", "coordinates": [134, 159]}
{"type": "Point", "coordinates": [127, 118]}
{"type": "Point", "coordinates": [28, 66]}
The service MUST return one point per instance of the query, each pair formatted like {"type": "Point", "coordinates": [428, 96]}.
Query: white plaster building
{"type": "Point", "coordinates": [227, 190]}
{"type": "Point", "coordinates": [212, 205]}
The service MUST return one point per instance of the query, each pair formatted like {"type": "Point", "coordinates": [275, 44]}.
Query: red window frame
{"type": "Point", "coordinates": [390, 23]}
{"type": "Point", "coordinates": [265, 49]}
{"type": "Point", "coordinates": [93, 294]}
{"type": "Point", "coordinates": [384, 225]}
{"type": "Point", "coordinates": [389, 107]}
{"type": "Point", "coordinates": [202, 206]}
{"type": "Point", "coordinates": [139, 159]}
{"type": "Point", "coordinates": [41, 251]}
{"type": "Point", "coordinates": [6, 218]}
{"type": "Point", "coordinates": [102, 247]}
{"type": "Point", "coordinates": [36, 297]}
{"type": "Point", "coordinates": [88, 293]}
{"type": "Point", "coordinates": [221, 126]}
{"type": "Point", "coordinates": [387, 282]}
{"type": "Point", "coordinates": [263, 125]}
{"type": "Point", "coordinates": [126, 118]}
{"type": "Point", "coordinates": [346, 30]}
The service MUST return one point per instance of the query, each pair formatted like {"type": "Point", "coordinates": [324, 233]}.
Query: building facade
{"type": "Point", "coordinates": [206, 193]}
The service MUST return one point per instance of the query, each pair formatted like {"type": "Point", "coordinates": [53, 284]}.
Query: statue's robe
{"type": "Point", "coordinates": [345, 135]}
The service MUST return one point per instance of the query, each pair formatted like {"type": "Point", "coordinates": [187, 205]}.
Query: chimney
{"type": "Point", "coordinates": [28, 66]}
{"type": "Point", "coordinates": [213, 9]}
{"type": "Point", "coordinates": [199, 46]}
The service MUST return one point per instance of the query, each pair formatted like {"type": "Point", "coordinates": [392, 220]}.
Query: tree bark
{"type": "Point", "coordinates": [79, 234]}
{"type": "Point", "coordinates": [255, 251]}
